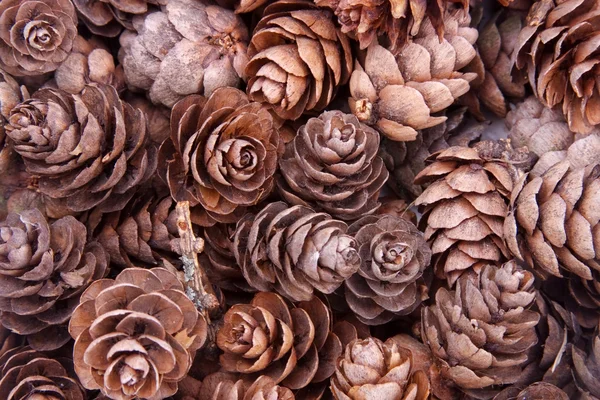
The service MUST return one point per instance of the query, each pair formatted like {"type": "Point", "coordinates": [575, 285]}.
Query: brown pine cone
{"type": "Point", "coordinates": [189, 47]}
{"type": "Point", "coordinates": [27, 374]}
{"type": "Point", "coordinates": [226, 386]}
{"type": "Point", "coordinates": [536, 391]}
{"type": "Point", "coordinates": [44, 269]}
{"type": "Point", "coordinates": [481, 332]}
{"type": "Point", "coordinates": [465, 205]}
{"type": "Point", "coordinates": [221, 156]}
{"type": "Point", "coordinates": [35, 36]}
{"type": "Point", "coordinates": [136, 336]}
{"type": "Point", "coordinates": [586, 363]}
{"type": "Point", "coordinates": [332, 165]}
{"type": "Point", "coordinates": [9, 341]}
{"type": "Point", "coordinates": [157, 116]}
{"type": "Point", "coordinates": [242, 6]}
{"type": "Point", "coordinates": [88, 150]}
{"type": "Point", "coordinates": [293, 345]}
{"type": "Point", "coordinates": [11, 94]}
{"type": "Point", "coordinates": [294, 251]}
{"type": "Point", "coordinates": [298, 58]}
{"type": "Point", "coordinates": [390, 280]}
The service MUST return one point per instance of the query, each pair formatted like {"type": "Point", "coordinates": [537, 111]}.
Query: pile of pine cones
{"type": "Point", "coordinates": [298, 199]}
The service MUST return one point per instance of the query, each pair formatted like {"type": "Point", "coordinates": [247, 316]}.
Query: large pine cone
{"type": "Point", "coordinates": [188, 47]}
{"type": "Point", "coordinates": [136, 336]}
{"type": "Point", "coordinates": [332, 164]}
{"type": "Point", "coordinates": [88, 150]}
{"type": "Point", "coordinates": [221, 156]}
{"type": "Point", "coordinates": [298, 58]}
{"type": "Point", "coordinates": [390, 279]}
{"type": "Point", "coordinates": [294, 250]}
{"type": "Point", "coordinates": [227, 386]}
{"type": "Point", "coordinates": [586, 362]}
{"type": "Point", "coordinates": [43, 270]}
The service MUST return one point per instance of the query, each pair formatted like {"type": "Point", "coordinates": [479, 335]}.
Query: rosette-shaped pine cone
{"type": "Point", "coordinates": [586, 363]}
{"type": "Point", "coordinates": [35, 36]}
{"type": "Point", "coordinates": [221, 155]}
{"type": "Point", "coordinates": [27, 374]}
{"type": "Point", "coordinates": [465, 204]}
{"type": "Point", "coordinates": [293, 345]}
{"type": "Point", "coordinates": [390, 279]}
{"type": "Point", "coordinates": [136, 336]}
{"type": "Point", "coordinates": [298, 58]}
{"type": "Point", "coordinates": [535, 391]}
{"type": "Point", "coordinates": [398, 96]}
{"type": "Point", "coordinates": [481, 332]}
{"type": "Point", "coordinates": [332, 165]}
{"type": "Point", "coordinates": [88, 150]}
{"type": "Point", "coordinates": [11, 94]}
{"type": "Point", "coordinates": [43, 270]}
{"type": "Point", "coordinates": [189, 47]}
{"type": "Point", "coordinates": [227, 386]}
{"type": "Point", "coordinates": [560, 61]}
{"type": "Point", "coordinates": [294, 251]}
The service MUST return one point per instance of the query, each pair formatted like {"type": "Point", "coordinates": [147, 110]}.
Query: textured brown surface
{"type": "Point", "coordinates": [227, 386]}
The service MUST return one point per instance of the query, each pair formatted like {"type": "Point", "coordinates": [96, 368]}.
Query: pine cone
{"type": "Point", "coordinates": [27, 374]}
{"type": "Point", "coordinates": [332, 165]}
{"type": "Point", "coordinates": [8, 341]}
{"type": "Point", "coordinates": [44, 270]}
{"type": "Point", "coordinates": [536, 391]}
{"type": "Point", "coordinates": [101, 156]}
{"type": "Point", "coordinates": [586, 363]}
{"type": "Point", "coordinates": [294, 250]}
{"type": "Point", "coordinates": [136, 336]}
{"type": "Point", "coordinates": [35, 36]}
{"type": "Point", "coordinates": [242, 6]}
{"type": "Point", "coordinates": [294, 346]}
{"type": "Point", "coordinates": [298, 58]}
{"type": "Point", "coordinates": [398, 95]}
{"type": "Point", "coordinates": [223, 165]}
{"type": "Point", "coordinates": [157, 116]}
{"type": "Point", "coordinates": [465, 205]}
{"type": "Point", "coordinates": [189, 47]}
{"type": "Point", "coordinates": [481, 332]}
{"type": "Point", "coordinates": [390, 279]}
{"type": "Point", "coordinates": [11, 94]}
{"type": "Point", "coordinates": [226, 386]}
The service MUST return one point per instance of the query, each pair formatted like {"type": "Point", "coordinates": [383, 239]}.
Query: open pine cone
{"type": "Point", "coordinates": [227, 386]}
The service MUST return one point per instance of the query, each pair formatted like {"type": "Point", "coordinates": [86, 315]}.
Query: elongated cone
{"type": "Point", "coordinates": [586, 362]}
{"type": "Point", "coordinates": [228, 386]}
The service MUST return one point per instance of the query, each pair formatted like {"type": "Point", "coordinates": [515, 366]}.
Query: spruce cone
{"type": "Point", "coordinates": [136, 336]}
{"type": "Point", "coordinates": [188, 47]}
{"type": "Point", "coordinates": [298, 58]}
{"type": "Point", "coordinates": [481, 332]}
{"type": "Point", "coordinates": [294, 250]}
{"type": "Point", "coordinates": [43, 270]}
{"type": "Point", "coordinates": [88, 150]}
{"type": "Point", "coordinates": [332, 165]}
{"type": "Point", "coordinates": [221, 155]}
{"type": "Point", "coordinates": [390, 279]}
{"type": "Point", "coordinates": [226, 386]}
{"type": "Point", "coordinates": [35, 36]}
{"type": "Point", "coordinates": [536, 391]}
{"type": "Point", "coordinates": [586, 364]}
{"type": "Point", "coordinates": [294, 346]}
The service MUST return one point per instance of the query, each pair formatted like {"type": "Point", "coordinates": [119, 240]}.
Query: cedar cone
{"type": "Point", "coordinates": [88, 150]}
{"type": "Point", "coordinates": [294, 250]}
{"type": "Point", "coordinates": [43, 270]}
{"type": "Point", "coordinates": [398, 95]}
{"type": "Point", "coordinates": [221, 155]}
{"type": "Point", "coordinates": [332, 165]}
{"type": "Point", "coordinates": [298, 58]}
{"type": "Point", "coordinates": [559, 59]}
{"type": "Point", "coordinates": [586, 363]}
{"type": "Point", "coordinates": [390, 280]}
{"type": "Point", "coordinates": [136, 336]}
{"type": "Point", "coordinates": [189, 47]}
{"type": "Point", "coordinates": [293, 345]}
{"type": "Point", "coordinates": [536, 391]}
{"type": "Point", "coordinates": [35, 36]}
{"type": "Point", "coordinates": [11, 94]}
{"type": "Point", "coordinates": [481, 332]}
{"type": "Point", "coordinates": [227, 386]}
{"type": "Point", "coordinates": [466, 203]}
{"type": "Point", "coordinates": [27, 374]}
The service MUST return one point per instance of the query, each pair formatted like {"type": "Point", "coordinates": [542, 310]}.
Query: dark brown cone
{"type": "Point", "coordinates": [227, 386]}
{"type": "Point", "coordinates": [44, 268]}
{"type": "Point", "coordinates": [9, 341]}
{"type": "Point", "coordinates": [586, 363]}
{"type": "Point", "coordinates": [294, 251]}
{"type": "Point", "coordinates": [136, 336]}
{"type": "Point", "coordinates": [536, 391]}
{"type": "Point", "coordinates": [332, 165]}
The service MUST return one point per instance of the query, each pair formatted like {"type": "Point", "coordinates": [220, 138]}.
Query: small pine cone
{"type": "Point", "coordinates": [189, 47]}
{"type": "Point", "coordinates": [226, 164]}
{"type": "Point", "coordinates": [481, 332]}
{"type": "Point", "coordinates": [45, 268]}
{"type": "Point", "coordinates": [27, 374]}
{"type": "Point", "coordinates": [465, 205]}
{"type": "Point", "coordinates": [390, 280]}
{"type": "Point", "coordinates": [298, 58]}
{"type": "Point", "coordinates": [226, 386]}
{"type": "Point", "coordinates": [332, 165]}
{"type": "Point", "coordinates": [136, 336]}
{"type": "Point", "coordinates": [586, 363]}
{"type": "Point", "coordinates": [11, 94]}
{"type": "Point", "coordinates": [535, 391]}
{"type": "Point", "coordinates": [294, 251]}
{"type": "Point", "coordinates": [88, 150]}
{"type": "Point", "coordinates": [293, 345]}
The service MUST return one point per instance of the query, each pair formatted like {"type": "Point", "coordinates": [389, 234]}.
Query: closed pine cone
{"type": "Point", "coordinates": [228, 386]}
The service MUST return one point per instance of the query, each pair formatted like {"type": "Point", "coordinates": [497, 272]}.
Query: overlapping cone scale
{"type": "Point", "coordinates": [229, 386]}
